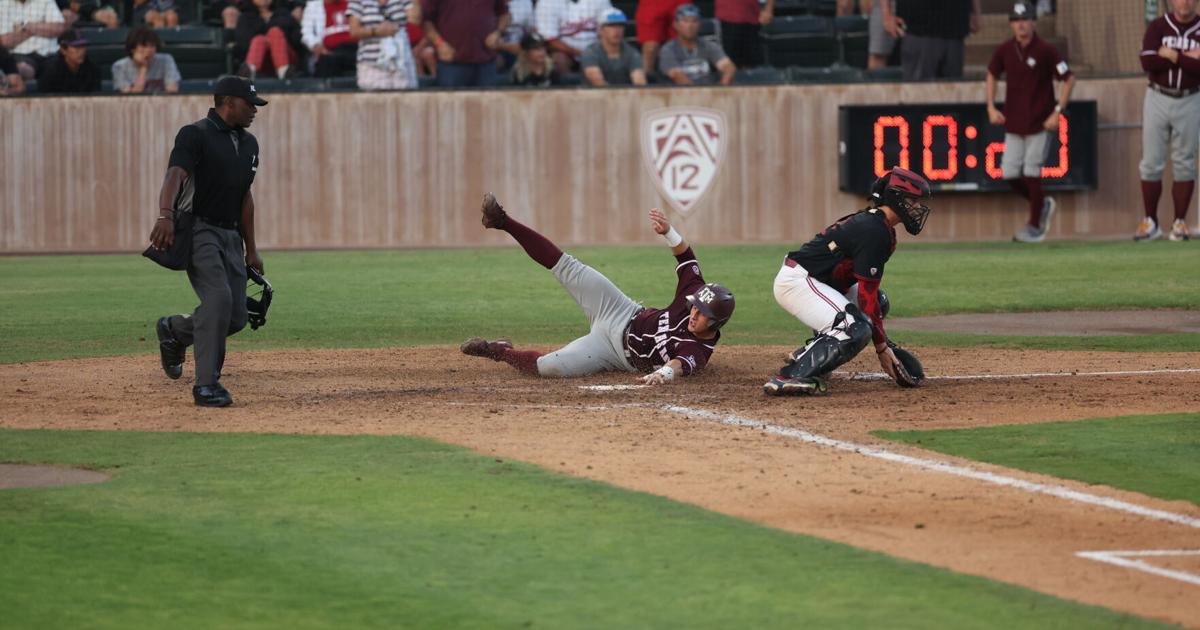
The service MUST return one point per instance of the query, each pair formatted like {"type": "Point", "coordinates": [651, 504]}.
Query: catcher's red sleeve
{"type": "Point", "coordinates": [868, 302]}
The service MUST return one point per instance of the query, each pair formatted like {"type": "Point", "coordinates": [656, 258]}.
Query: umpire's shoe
{"type": "Point", "coordinates": [172, 352]}
{"type": "Point", "coordinates": [783, 386]}
{"type": "Point", "coordinates": [494, 215]}
{"type": "Point", "coordinates": [212, 395]}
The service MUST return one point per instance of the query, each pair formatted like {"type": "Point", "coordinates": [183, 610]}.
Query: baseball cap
{"type": "Point", "coordinates": [612, 16]}
{"type": "Point", "coordinates": [237, 86]}
{"type": "Point", "coordinates": [71, 37]}
{"type": "Point", "coordinates": [532, 40]}
{"type": "Point", "coordinates": [1022, 10]}
{"type": "Point", "coordinates": [687, 10]}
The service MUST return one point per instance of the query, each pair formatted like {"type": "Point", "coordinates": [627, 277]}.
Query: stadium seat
{"type": "Point", "coordinates": [823, 75]}
{"type": "Point", "coordinates": [800, 41]}
{"type": "Point", "coordinates": [879, 75]}
{"type": "Point", "coordinates": [764, 75]}
{"type": "Point", "coordinates": [104, 36]}
{"type": "Point", "coordinates": [824, 7]}
{"type": "Point", "coordinates": [852, 40]}
{"type": "Point", "coordinates": [792, 7]}
{"type": "Point", "coordinates": [342, 84]}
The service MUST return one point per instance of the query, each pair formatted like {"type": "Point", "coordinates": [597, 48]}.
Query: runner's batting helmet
{"type": "Point", "coordinates": [715, 302]}
{"type": "Point", "coordinates": [894, 190]}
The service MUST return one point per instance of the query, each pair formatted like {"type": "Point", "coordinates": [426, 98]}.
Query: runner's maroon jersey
{"type": "Point", "coordinates": [853, 249]}
{"type": "Point", "coordinates": [655, 336]}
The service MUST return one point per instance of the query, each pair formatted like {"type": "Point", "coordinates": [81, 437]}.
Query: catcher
{"type": "Point", "coordinates": [812, 282]}
{"type": "Point", "coordinates": [662, 343]}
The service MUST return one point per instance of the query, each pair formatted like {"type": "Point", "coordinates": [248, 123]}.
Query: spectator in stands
{"type": "Point", "coordinates": [465, 34]}
{"type": "Point", "coordinates": [145, 70]}
{"type": "Point", "coordinates": [267, 38]}
{"type": "Point", "coordinates": [325, 31]}
{"type": "Point", "coordinates": [28, 29]}
{"type": "Point", "coordinates": [611, 61]}
{"type": "Point", "coordinates": [880, 42]}
{"type": "Point", "coordinates": [655, 26]}
{"type": "Point", "coordinates": [689, 60]}
{"type": "Point", "coordinates": [520, 23]}
{"type": "Point", "coordinates": [569, 27]}
{"type": "Point", "coordinates": [70, 71]}
{"type": "Point", "coordinates": [534, 67]}
{"type": "Point", "coordinates": [423, 52]}
{"type": "Point", "coordinates": [155, 13]}
{"type": "Point", "coordinates": [11, 83]}
{"type": "Point", "coordinates": [933, 32]}
{"type": "Point", "coordinates": [88, 12]}
{"type": "Point", "coordinates": [741, 21]}
{"type": "Point", "coordinates": [384, 57]}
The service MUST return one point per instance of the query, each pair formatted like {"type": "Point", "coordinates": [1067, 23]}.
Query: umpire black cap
{"type": "Point", "coordinates": [239, 87]}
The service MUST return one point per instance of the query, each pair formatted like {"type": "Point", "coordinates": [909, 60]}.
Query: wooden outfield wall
{"type": "Point", "coordinates": [408, 169]}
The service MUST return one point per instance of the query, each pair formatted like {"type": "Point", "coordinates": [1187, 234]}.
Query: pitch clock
{"type": "Point", "coordinates": [956, 147]}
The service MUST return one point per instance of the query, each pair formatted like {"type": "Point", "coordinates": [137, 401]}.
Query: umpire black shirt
{"type": "Point", "coordinates": [221, 163]}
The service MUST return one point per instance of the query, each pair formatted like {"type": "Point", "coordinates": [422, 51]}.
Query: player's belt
{"type": "Point", "coordinates": [791, 263]}
{"type": "Point", "coordinates": [1173, 92]}
{"type": "Point", "coordinates": [228, 225]}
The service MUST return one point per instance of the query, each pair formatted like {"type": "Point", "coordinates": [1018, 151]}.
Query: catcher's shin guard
{"type": "Point", "coordinates": [827, 352]}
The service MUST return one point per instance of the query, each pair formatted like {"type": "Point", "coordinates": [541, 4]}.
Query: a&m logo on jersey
{"type": "Point", "coordinates": [682, 147]}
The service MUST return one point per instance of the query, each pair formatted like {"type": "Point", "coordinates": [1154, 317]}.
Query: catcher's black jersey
{"type": "Point", "coordinates": [856, 247]}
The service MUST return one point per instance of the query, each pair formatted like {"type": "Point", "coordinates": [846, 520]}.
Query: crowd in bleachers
{"type": "Point", "coordinates": [149, 46]}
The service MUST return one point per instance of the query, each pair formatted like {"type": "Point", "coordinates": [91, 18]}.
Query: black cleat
{"type": "Point", "coordinates": [211, 396]}
{"type": "Point", "coordinates": [480, 347]}
{"type": "Point", "coordinates": [172, 352]}
{"type": "Point", "coordinates": [494, 216]}
{"type": "Point", "coordinates": [783, 386]}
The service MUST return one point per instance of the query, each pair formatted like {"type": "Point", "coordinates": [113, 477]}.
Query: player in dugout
{"type": "Point", "coordinates": [624, 336]}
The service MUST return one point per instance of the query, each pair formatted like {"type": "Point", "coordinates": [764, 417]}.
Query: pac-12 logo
{"type": "Point", "coordinates": [682, 147]}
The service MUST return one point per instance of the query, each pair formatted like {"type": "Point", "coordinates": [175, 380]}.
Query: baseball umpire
{"type": "Point", "coordinates": [1170, 115]}
{"type": "Point", "coordinates": [209, 174]}
{"type": "Point", "coordinates": [1030, 65]}
{"type": "Point", "coordinates": [662, 343]}
{"type": "Point", "coordinates": [812, 280]}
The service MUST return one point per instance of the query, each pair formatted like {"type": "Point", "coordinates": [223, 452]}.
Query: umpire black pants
{"type": "Point", "coordinates": [217, 272]}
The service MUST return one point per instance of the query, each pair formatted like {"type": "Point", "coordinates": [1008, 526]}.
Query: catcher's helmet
{"type": "Point", "coordinates": [715, 302]}
{"type": "Point", "coordinates": [895, 188]}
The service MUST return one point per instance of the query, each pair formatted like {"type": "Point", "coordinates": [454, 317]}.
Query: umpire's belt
{"type": "Point", "coordinates": [1173, 92]}
{"type": "Point", "coordinates": [228, 225]}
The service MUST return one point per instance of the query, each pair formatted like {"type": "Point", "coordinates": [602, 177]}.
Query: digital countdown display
{"type": "Point", "coordinates": [956, 147]}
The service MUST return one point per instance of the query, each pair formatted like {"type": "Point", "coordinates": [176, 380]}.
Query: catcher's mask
{"type": "Point", "coordinates": [715, 302]}
{"type": "Point", "coordinates": [258, 298]}
{"type": "Point", "coordinates": [895, 189]}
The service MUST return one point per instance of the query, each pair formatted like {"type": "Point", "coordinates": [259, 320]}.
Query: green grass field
{"type": "Point", "coordinates": [66, 306]}
{"type": "Point", "coordinates": [1155, 455]}
{"type": "Point", "coordinates": [233, 530]}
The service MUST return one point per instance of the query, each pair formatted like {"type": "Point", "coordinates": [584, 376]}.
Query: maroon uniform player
{"type": "Point", "coordinates": [1170, 115]}
{"type": "Point", "coordinates": [624, 336]}
{"type": "Point", "coordinates": [1030, 65]}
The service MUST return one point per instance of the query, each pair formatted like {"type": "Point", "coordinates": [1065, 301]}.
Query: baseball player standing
{"type": "Point", "coordinates": [1170, 115]}
{"type": "Point", "coordinates": [1030, 65]}
{"type": "Point", "coordinates": [813, 279]}
{"type": "Point", "coordinates": [663, 343]}
{"type": "Point", "coordinates": [209, 174]}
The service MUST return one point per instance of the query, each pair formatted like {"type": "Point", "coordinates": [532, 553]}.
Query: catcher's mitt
{"type": "Point", "coordinates": [257, 305]}
{"type": "Point", "coordinates": [909, 371]}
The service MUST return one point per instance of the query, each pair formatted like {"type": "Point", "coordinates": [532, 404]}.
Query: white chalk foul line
{"type": "Point", "coordinates": [1121, 559]}
{"type": "Point", "coordinates": [1061, 492]}
{"type": "Point", "coordinates": [880, 376]}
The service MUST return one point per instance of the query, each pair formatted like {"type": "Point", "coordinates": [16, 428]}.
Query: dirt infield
{"type": "Point", "coordinates": [633, 438]}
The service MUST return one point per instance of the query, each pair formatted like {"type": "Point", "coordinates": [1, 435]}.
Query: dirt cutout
{"type": "Point", "coordinates": [630, 438]}
{"type": "Point", "coordinates": [27, 476]}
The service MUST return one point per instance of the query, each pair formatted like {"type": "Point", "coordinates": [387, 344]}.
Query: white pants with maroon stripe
{"type": "Point", "coordinates": [809, 300]}
{"type": "Point", "coordinates": [608, 311]}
